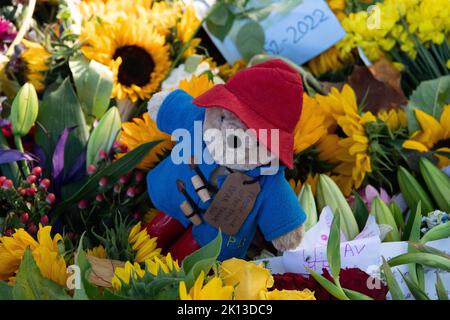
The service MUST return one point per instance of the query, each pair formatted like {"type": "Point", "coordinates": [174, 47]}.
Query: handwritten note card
{"type": "Point", "coordinates": [300, 35]}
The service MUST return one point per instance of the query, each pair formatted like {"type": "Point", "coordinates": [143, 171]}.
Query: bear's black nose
{"type": "Point", "coordinates": [233, 141]}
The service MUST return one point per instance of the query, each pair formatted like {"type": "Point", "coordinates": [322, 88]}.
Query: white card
{"type": "Point", "coordinates": [300, 35]}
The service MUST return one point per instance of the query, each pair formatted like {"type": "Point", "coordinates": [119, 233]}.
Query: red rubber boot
{"type": "Point", "coordinates": [184, 246]}
{"type": "Point", "coordinates": [166, 228]}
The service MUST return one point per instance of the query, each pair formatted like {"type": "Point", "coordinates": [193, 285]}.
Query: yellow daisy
{"type": "Point", "coordinates": [142, 130]}
{"type": "Point", "coordinates": [212, 290]}
{"type": "Point", "coordinates": [433, 136]}
{"type": "Point", "coordinates": [44, 250]}
{"type": "Point", "coordinates": [141, 243]}
{"type": "Point", "coordinates": [133, 49]}
{"type": "Point", "coordinates": [36, 58]}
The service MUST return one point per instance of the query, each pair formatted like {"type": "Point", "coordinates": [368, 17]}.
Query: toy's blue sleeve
{"type": "Point", "coordinates": [177, 112]}
{"type": "Point", "coordinates": [280, 210]}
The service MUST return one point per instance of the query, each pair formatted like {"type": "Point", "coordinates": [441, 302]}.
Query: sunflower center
{"type": "Point", "coordinates": [137, 66]}
{"type": "Point", "coordinates": [442, 144]}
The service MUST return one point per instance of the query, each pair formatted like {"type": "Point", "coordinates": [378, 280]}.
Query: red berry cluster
{"type": "Point", "coordinates": [122, 194]}
{"type": "Point", "coordinates": [27, 205]}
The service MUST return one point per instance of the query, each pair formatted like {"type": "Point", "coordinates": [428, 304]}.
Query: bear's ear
{"type": "Point", "coordinates": [154, 104]}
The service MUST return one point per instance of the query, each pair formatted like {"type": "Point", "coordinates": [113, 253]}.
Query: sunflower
{"type": "Point", "coordinates": [186, 28]}
{"type": "Point", "coordinates": [196, 86]}
{"type": "Point", "coordinates": [213, 289]}
{"type": "Point", "coordinates": [45, 252]}
{"type": "Point", "coordinates": [394, 118]}
{"type": "Point", "coordinates": [311, 179]}
{"type": "Point", "coordinates": [144, 247]}
{"type": "Point", "coordinates": [133, 49]}
{"type": "Point", "coordinates": [142, 130]}
{"type": "Point", "coordinates": [276, 294]}
{"type": "Point", "coordinates": [346, 129]}
{"type": "Point", "coordinates": [36, 58]}
{"type": "Point", "coordinates": [433, 136]}
{"type": "Point", "coordinates": [226, 71]}
{"type": "Point", "coordinates": [125, 273]}
{"type": "Point", "coordinates": [98, 252]}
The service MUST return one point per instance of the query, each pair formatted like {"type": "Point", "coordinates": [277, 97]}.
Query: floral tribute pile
{"type": "Point", "coordinates": [76, 144]}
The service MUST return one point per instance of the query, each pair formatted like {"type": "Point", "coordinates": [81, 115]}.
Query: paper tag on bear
{"type": "Point", "coordinates": [233, 203]}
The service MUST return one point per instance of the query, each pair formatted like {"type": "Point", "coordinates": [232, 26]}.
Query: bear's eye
{"type": "Point", "coordinates": [222, 118]}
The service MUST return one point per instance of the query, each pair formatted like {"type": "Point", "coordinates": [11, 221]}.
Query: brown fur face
{"type": "Point", "coordinates": [227, 138]}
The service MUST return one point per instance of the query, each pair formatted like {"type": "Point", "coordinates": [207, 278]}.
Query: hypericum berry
{"type": "Point", "coordinates": [45, 183]}
{"type": "Point", "coordinates": [32, 228]}
{"type": "Point", "coordinates": [82, 204]}
{"type": "Point", "coordinates": [44, 220]}
{"type": "Point", "coordinates": [120, 147]}
{"type": "Point", "coordinates": [50, 199]}
{"type": "Point", "coordinates": [37, 171]}
{"type": "Point", "coordinates": [117, 188]}
{"type": "Point", "coordinates": [31, 178]}
{"type": "Point", "coordinates": [8, 232]}
{"type": "Point", "coordinates": [24, 217]}
{"type": "Point", "coordinates": [103, 182]}
{"type": "Point", "coordinates": [124, 179]}
{"type": "Point", "coordinates": [30, 191]}
{"type": "Point", "coordinates": [102, 154]}
{"type": "Point", "coordinates": [7, 184]}
{"type": "Point", "coordinates": [99, 197]}
{"type": "Point", "coordinates": [91, 169]}
{"type": "Point", "coordinates": [137, 215]}
{"type": "Point", "coordinates": [131, 192]}
{"type": "Point", "coordinates": [70, 235]}
{"type": "Point", "coordinates": [139, 176]}
{"type": "Point", "coordinates": [2, 179]}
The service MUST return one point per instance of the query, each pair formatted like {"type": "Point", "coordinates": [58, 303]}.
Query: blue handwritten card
{"type": "Point", "coordinates": [301, 34]}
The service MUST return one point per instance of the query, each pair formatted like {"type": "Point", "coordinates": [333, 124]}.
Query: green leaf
{"type": "Point", "coordinates": [440, 289]}
{"type": "Point", "coordinates": [426, 249]}
{"type": "Point", "coordinates": [331, 288]}
{"type": "Point", "coordinates": [87, 289]}
{"type": "Point", "coordinates": [415, 237]}
{"type": "Point", "coordinates": [123, 165]}
{"type": "Point", "coordinates": [61, 109]}
{"type": "Point", "coordinates": [360, 210]}
{"type": "Point", "coordinates": [426, 259]}
{"type": "Point", "coordinates": [24, 110]}
{"type": "Point", "coordinates": [397, 213]}
{"type": "Point", "coordinates": [201, 260]}
{"type": "Point", "coordinates": [354, 295]}
{"type": "Point", "coordinates": [30, 285]}
{"type": "Point", "coordinates": [418, 293]}
{"type": "Point", "coordinates": [6, 291]}
{"type": "Point", "coordinates": [441, 231]}
{"type": "Point", "coordinates": [221, 31]}
{"type": "Point", "coordinates": [103, 135]}
{"type": "Point", "coordinates": [191, 63]}
{"type": "Point", "coordinates": [430, 97]}
{"type": "Point", "coordinates": [94, 84]}
{"type": "Point", "coordinates": [219, 14]}
{"type": "Point", "coordinates": [334, 246]}
{"type": "Point", "coordinates": [250, 40]}
{"type": "Point", "coordinates": [394, 288]}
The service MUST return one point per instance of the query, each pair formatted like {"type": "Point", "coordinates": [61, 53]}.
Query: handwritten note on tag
{"type": "Point", "coordinates": [300, 35]}
{"type": "Point", "coordinates": [233, 203]}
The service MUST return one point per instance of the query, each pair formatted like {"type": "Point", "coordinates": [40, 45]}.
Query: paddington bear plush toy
{"type": "Point", "coordinates": [201, 189]}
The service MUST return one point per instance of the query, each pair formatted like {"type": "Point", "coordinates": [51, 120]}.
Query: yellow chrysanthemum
{"type": "Point", "coordinates": [433, 136]}
{"type": "Point", "coordinates": [144, 246]}
{"type": "Point", "coordinates": [133, 49]}
{"type": "Point", "coordinates": [98, 252]}
{"type": "Point", "coordinates": [212, 290]}
{"type": "Point", "coordinates": [36, 58]}
{"type": "Point", "coordinates": [44, 250]}
{"type": "Point", "coordinates": [287, 295]}
{"type": "Point", "coordinates": [338, 8]}
{"type": "Point", "coordinates": [142, 130]}
{"type": "Point", "coordinates": [394, 118]}
{"type": "Point", "coordinates": [196, 86]}
{"type": "Point", "coordinates": [311, 126]}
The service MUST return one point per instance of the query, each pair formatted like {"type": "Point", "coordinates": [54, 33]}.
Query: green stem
{"type": "Point", "coordinates": [23, 163]}
{"type": "Point", "coordinates": [23, 28]}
